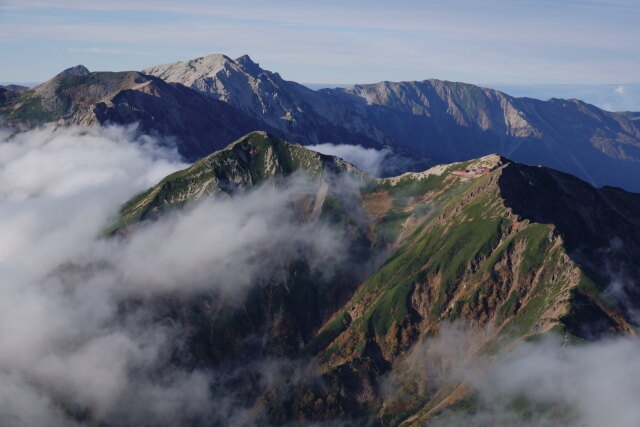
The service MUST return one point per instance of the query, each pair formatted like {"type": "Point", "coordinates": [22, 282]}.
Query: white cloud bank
{"type": "Point", "coordinates": [58, 341]}
{"type": "Point", "coordinates": [67, 346]}
{"type": "Point", "coordinates": [65, 340]}
{"type": "Point", "coordinates": [369, 160]}
{"type": "Point", "coordinates": [589, 385]}
{"type": "Point", "coordinates": [57, 189]}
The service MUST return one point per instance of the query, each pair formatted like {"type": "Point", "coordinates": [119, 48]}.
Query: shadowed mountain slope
{"type": "Point", "coordinates": [197, 125]}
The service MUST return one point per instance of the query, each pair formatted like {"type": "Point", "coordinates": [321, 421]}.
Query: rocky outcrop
{"type": "Point", "coordinates": [244, 164]}
{"type": "Point", "coordinates": [78, 70]}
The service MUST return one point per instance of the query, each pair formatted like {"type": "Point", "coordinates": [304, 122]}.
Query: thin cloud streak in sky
{"type": "Point", "coordinates": [362, 52]}
{"type": "Point", "coordinates": [498, 41]}
{"type": "Point", "coordinates": [107, 51]}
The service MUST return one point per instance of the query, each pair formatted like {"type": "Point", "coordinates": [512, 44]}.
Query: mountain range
{"type": "Point", "coordinates": [205, 103]}
{"type": "Point", "coordinates": [529, 251]}
{"type": "Point", "coordinates": [511, 216]}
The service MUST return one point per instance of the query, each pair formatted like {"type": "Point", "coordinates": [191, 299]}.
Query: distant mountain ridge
{"type": "Point", "coordinates": [610, 96]}
{"type": "Point", "coordinates": [299, 113]}
{"type": "Point", "coordinates": [205, 103]}
{"type": "Point", "coordinates": [198, 125]}
{"type": "Point", "coordinates": [244, 84]}
{"type": "Point", "coordinates": [15, 88]}
{"type": "Point", "coordinates": [442, 121]}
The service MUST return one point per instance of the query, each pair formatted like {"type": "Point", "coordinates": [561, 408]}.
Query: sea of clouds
{"type": "Point", "coordinates": [68, 352]}
{"type": "Point", "coordinates": [66, 345]}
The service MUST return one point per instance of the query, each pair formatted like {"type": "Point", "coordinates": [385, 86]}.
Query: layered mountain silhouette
{"type": "Point", "coordinates": [442, 121]}
{"type": "Point", "coordinates": [526, 250]}
{"type": "Point", "coordinates": [428, 121]}
{"type": "Point", "coordinates": [195, 124]}
{"type": "Point", "coordinates": [516, 227]}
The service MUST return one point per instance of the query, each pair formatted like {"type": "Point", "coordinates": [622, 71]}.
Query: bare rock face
{"type": "Point", "coordinates": [78, 70]}
{"type": "Point", "coordinates": [241, 83]}
{"type": "Point", "coordinates": [296, 112]}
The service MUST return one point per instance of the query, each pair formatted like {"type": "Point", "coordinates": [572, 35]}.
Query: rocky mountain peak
{"type": "Point", "coordinates": [248, 65]}
{"type": "Point", "coordinates": [243, 164]}
{"type": "Point", "coordinates": [212, 60]}
{"type": "Point", "coordinates": [190, 73]}
{"type": "Point", "coordinates": [78, 70]}
{"type": "Point", "coordinates": [490, 161]}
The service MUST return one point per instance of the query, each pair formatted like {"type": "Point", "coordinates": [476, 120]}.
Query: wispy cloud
{"type": "Point", "coordinates": [459, 40]}
{"type": "Point", "coordinates": [591, 385]}
{"type": "Point", "coordinates": [369, 160]}
{"type": "Point", "coordinates": [69, 335]}
{"type": "Point", "coordinates": [107, 51]}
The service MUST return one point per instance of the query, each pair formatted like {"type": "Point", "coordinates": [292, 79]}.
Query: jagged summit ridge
{"type": "Point", "coordinates": [438, 120]}
{"type": "Point", "coordinates": [243, 164]}
{"type": "Point", "coordinates": [490, 162]}
{"type": "Point", "coordinates": [214, 75]}
{"type": "Point", "coordinates": [189, 72]}
{"type": "Point", "coordinates": [249, 65]}
{"type": "Point", "coordinates": [245, 85]}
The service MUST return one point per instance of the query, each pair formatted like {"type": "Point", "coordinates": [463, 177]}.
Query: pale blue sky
{"type": "Point", "coordinates": [490, 41]}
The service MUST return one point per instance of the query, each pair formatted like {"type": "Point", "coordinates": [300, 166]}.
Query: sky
{"type": "Point", "coordinates": [346, 41]}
